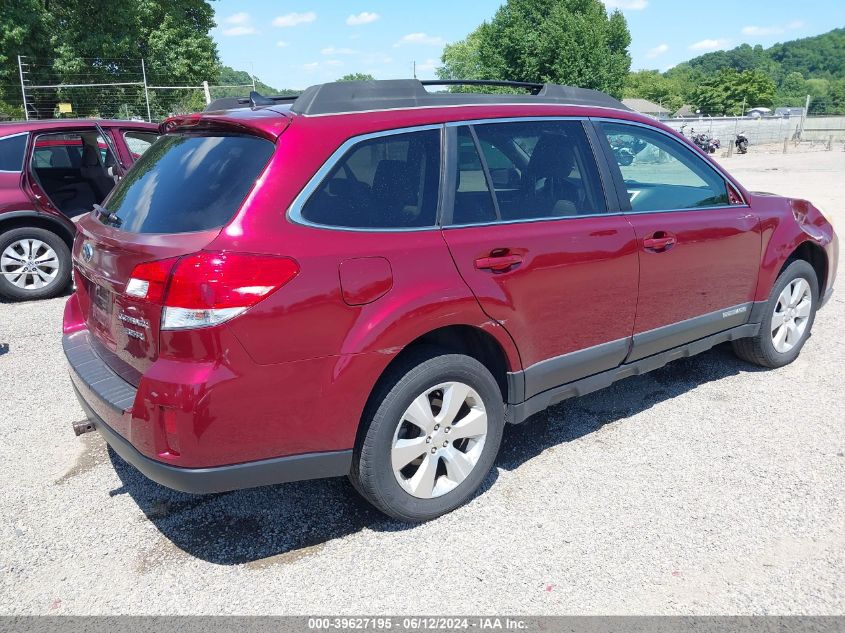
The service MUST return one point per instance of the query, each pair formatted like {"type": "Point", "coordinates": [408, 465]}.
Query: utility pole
{"type": "Point", "coordinates": [146, 92]}
{"type": "Point", "coordinates": [23, 89]}
{"type": "Point", "coordinates": [415, 69]}
{"type": "Point", "coordinates": [804, 116]}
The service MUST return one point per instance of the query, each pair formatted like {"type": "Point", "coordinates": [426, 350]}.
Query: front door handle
{"type": "Point", "coordinates": [659, 242]}
{"type": "Point", "coordinates": [498, 262]}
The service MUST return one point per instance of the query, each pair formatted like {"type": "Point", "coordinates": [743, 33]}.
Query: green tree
{"type": "Point", "coordinates": [572, 42]}
{"type": "Point", "coordinates": [792, 90]}
{"type": "Point", "coordinates": [23, 31]}
{"type": "Point", "coordinates": [228, 76]}
{"type": "Point", "coordinates": [728, 91]}
{"type": "Point", "coordinates": [658, 88]}
{"type": "Point", "coordinates": [98, 41]}
{"type": "Point", "coordinates": [462, 60]}
{"type": "Point", "coordinates": [357, 77]}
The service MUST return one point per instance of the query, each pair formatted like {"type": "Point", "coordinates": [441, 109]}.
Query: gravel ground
{"type": "Point", "coordinates": [707, 487]}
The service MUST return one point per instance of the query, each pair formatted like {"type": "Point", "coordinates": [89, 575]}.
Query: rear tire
{"type": "Point", "coordinates": [787, 321]}
{"type": "Point", "coordinates": [34, 264]}
{"type": "Point", "coordinates": [433, 429]}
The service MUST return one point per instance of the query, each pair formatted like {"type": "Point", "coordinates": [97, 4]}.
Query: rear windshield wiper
{"type": "Point", "coordinates": [106, 216]}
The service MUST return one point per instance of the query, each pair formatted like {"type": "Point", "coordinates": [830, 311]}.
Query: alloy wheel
{"type": "Point", "coordinates": [791, 315]}
{"type": "Point", "coordinates": [29, 264]}
{"type": "Point", "coordinates": [439, 440]}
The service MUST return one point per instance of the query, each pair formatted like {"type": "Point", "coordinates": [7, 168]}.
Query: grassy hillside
{"type": "Point", "coordinates": [781, 75]}
{"type": "Point", "coordinates": [231, 77]}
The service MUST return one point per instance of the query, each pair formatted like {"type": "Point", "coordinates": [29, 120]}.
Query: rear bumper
{"type": "Point", "coordinates": [98, 388]}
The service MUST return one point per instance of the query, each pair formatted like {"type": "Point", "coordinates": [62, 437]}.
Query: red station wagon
{"type": "Point", "coordinates": [52, 172]}
{"type": "Point", "coordinates": [372, 279]}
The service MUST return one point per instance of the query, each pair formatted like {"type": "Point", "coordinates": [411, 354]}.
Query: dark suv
{"type": "Point", "coordinates": [51, 172]}
{"type": "Point", "coordinates": [371, 279]}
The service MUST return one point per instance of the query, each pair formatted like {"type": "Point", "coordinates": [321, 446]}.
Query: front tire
{"type": "Point", "coordinates": [789, 316]}
{"type": "Point", "coordinates": [34, 264]}
{"type": "Point", "coordinates": [433, 429]}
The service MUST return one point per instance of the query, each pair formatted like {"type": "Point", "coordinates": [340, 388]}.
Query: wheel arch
{"type": "Point", "coordinates": [477, 342]}
{"type": "Point", "coordinates": [22, 219]}
{"type": "Point", "coordinates": [814, 255]}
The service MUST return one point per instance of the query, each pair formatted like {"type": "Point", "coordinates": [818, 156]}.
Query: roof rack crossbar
{"type": "Point", "coordinates": [533, 87]}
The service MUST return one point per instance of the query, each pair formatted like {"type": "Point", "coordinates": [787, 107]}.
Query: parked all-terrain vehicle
{"type": "Point", "coordinates": [371, 280]}
{"type": "Point", "coordinates": [741, 143]}
{"type": "Point", "coordinates": [52, 172]}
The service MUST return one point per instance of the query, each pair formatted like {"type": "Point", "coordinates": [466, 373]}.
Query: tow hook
{"type": "Point", "coordinates": [83, 426]}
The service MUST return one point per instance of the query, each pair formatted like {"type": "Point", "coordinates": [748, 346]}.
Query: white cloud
{"type": "Point", "coordinates": [315, 66]}
{"type": "Point", "coordinates": [421, 38]}
{"type": "Point", "coordinates": [239, 24]}
{"type": "Point", "coordinates": [282, 44]}
{"type": "Point", "coordinates": [759, 31]}
{"type": "Point", "coordinates": [332, 51]}
{"type": "Point", "coordinates": [626, 5]}
{"type": "Point", "coordinates": [237, 18]}
{"type": "Point", "coordinates": [428, 66]}
{"type": "Point", "coordinates": [657, 50]}
{"type": "Point", "coordinates": [295, 19]}
{"type": "Point", "coordinates": [239, 30]}
{"type": "Point", "coordinates": [365, 17]}
{"type": "Point", "coordinates": [709, 45]}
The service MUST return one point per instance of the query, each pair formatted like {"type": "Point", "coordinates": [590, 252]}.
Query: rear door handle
{"type": "Point", "coordinates": [498, 263]}
{"type": "Point", "coordinates": [659, 242]}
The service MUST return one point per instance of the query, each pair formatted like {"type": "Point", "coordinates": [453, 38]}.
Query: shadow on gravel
{"type": "Point", "coordinates": [279, 524]}
{"type": "Point", "coordinates": [577, 417]}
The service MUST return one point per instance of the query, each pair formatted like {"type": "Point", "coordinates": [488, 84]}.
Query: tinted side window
{"type": "Point", "coordinates": [660, 174]}
{"type": "Point", "coordinates": [473, 200]}
{"type": "Point", "coordinates": [139, 142]}
{"type": "Point", "coordinates": [538, 169]}
{"type": "Point", "coordinates": [11, 152]}
{"type": "Point", "coordinates": [386, 182]}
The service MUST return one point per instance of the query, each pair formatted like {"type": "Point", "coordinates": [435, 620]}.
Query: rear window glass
{"type": "Point", "coordinates": [11, 152]}
{"type": "Point", "coordinates": [187, 182]}
{"type": "Point", "coordinates": [387, 182]}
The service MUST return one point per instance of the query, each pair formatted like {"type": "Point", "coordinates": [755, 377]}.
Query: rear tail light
{"type": "Point", "coordinates": [208, 288]}
{"type": "Point", "coordinates": [149, 280]}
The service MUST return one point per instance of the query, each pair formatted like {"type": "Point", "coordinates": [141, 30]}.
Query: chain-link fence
{"type": "Point", "coordinates": [108, 88]}
{"type": "Point", "coordinates": [765, 130]}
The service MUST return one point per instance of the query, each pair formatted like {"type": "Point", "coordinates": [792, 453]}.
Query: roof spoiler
{"type": "Point", "coordinates": [255, 100]}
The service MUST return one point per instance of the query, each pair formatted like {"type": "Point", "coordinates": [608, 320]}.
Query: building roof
{"type": "Point", "coordinates": [686, 110]}
{"type": "Point", "coordinates": [644, 106]}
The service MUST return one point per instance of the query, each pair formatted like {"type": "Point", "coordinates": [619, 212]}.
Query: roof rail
{"type": "Point", "coordinates": [362, 96]}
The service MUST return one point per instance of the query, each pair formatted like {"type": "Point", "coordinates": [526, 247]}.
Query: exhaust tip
{"type": "Point", "coordinates": [82, 427]}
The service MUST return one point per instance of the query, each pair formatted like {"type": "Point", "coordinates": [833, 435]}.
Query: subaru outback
{"type": "Point", "coordinates": [372, 279]}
